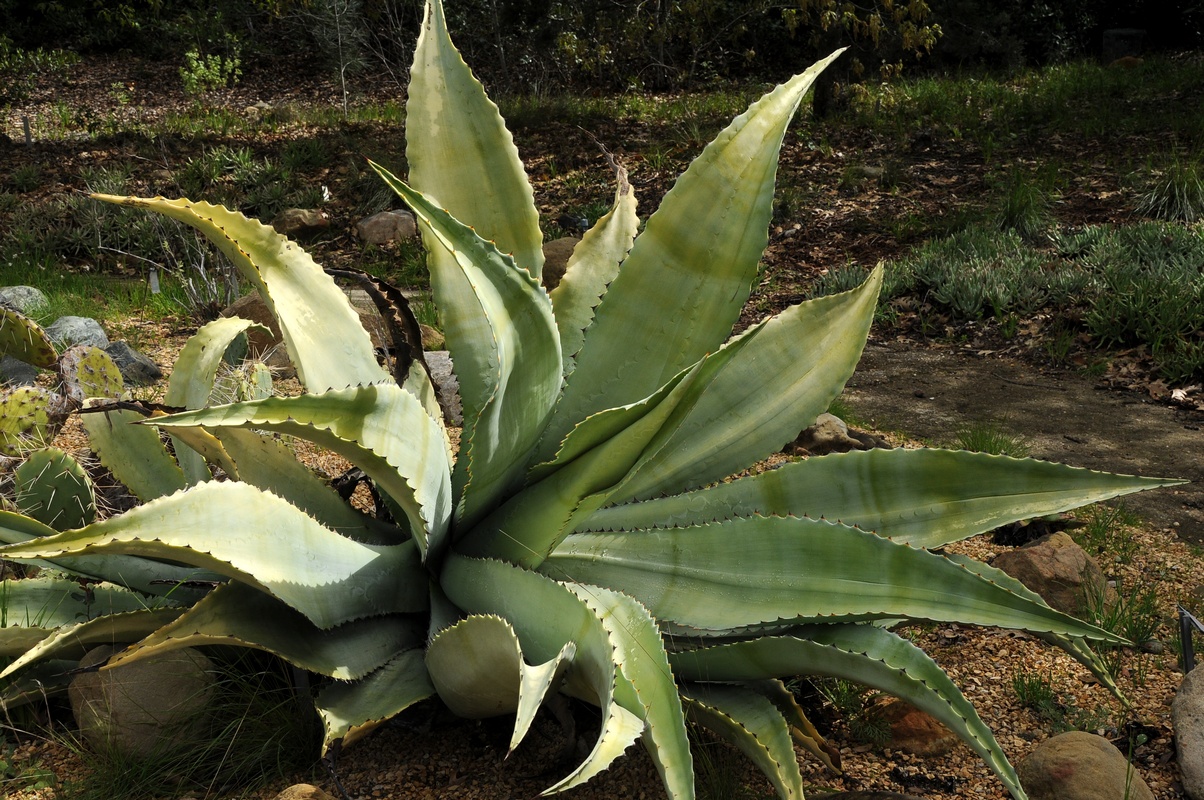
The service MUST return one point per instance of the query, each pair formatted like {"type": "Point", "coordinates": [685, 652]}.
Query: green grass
{"type": "Point", "coordinates": [993, 437]}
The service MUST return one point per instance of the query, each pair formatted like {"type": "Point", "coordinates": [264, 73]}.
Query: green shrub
{"type": "Point", "coordinates": [202, 74]}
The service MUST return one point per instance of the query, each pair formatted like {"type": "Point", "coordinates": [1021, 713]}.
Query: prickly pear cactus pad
{"type": "Point", "coordinates": [54, 489]}
{"type": "Point", "coordinates": [23, 338]}
{"type": "Point", "coordinates": [26, 419]}
{"type": "Point", "coordinates": [89, 372]}
{"type": "Point", "coordinates": [587, 537]}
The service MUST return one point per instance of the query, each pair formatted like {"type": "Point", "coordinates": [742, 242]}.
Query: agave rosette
{"type": "Point", "coordinates": [585, 538]}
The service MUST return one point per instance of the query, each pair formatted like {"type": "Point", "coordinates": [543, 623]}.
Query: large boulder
{"type": "Point", "coordinates": [1056, 568]}
{"type": "Point", "coordinates": [1080, 766]}
{"type": "Point", "coordinates": [915, 731]}
{"type": "Point", "coordinates": [1187, 716]}
{"type": "Point", "coordinates": [387, 226]}
{"type": "Point", "coordinates": [146, 708]}
{"type": "Point", "coordinates": [15, 372]}
{"type": "Point", "coordinates": [66, 331]}
{"type": "Point", "coordinates": [25, 299]}
{"type": "Point", "coordinates": [300, 221]}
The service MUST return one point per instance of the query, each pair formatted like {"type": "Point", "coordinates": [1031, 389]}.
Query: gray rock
{"type": "Point", "coordinates": [1080, 766]}
{"type": "Point", "coordinates": [830, 434]}
{"type": "Point", "coordinates": [149, 707]}
{"type": "Point", "coordinates": [135, 367]}
{"type": "Point", "coordinates": [447, 386]}
{"type": "Point", "coordinates": [15, 372]}
{"type": "Point", "coordinates": [22, 298]}
{"type": "Point", "coordinates": [1187, 717]}
{"type": "Point", "coordinates": [1056, 568]}
{"type": "Point", "coordinates": [77, 330]}
{"type": "Point", "coordinates": [295, 221]}
{"type": "Point", "coordinates": [387, 226]}
{"type": "Point", "coordinates": [556, 254]}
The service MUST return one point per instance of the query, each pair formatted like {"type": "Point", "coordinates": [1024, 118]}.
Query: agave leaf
{"type": "Point", "coordinates": [753, 724]}
{"type": "Point", "coordinates": [925, 498]}
{"type": "Point", "coordinates": [270, 465]}
{"type": "Point", "coordinates": [43, 604]}
{"type": "Point", "coordinates": [749, 571]}
{"type": "Point", "coordinates": [195, 372]}
{"type": "Point", "coordinates": [800, 727]}
{"type": "Point", "coordinates": [503, 341]}
{"type": "Point", "coordinates": [133, 453]}
{"type": "Point", "coordinates": [476, 666]}
{"type": "Point", "coordinates": [325, 576]}
{"type": "Point", "coordinates": [547, 616]}
{"type": "Point", "coordinates": [24, 339]}
{"type": "Point", "coordinates": [37, 684]}
{"type": "Point", "coordinates": [239, 616]}
{"type": "Point", "coordinates": [594, 457]}
{"type": "Point", "coordinates": [866, 654]}
{"type": "Point", "coordinates": [686, 279]}
{"type": "Point", "coordinates": [322, 332]}
{"type": "Point", "coordinates": [350, 710]}
{"type": "Point", "coordinates": [460, 153]}
{"type": "Point", "coordinates": [591, 268]}
{"type": "Point", "coordinates": [145, 575]}
{"type": "Point", "coordinates": [648, 688]}
{"type": "Point", "coordinates": [478, 670]}
{"type": "Point", "coordinates": [382, 429]}
{"type": "Point", "coordinates": [789, 371]}
{"type": "Point", "coordinates": [73, 641]}
{"type": "Point", "coordinates": [1076, 647]}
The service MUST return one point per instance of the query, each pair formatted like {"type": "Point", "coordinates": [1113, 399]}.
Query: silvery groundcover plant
{"type": "Point", "coordinates": [587, 537]}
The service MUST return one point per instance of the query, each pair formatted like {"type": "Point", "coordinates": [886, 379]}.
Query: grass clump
{"type": "Point", "coordinates": [993, 437]}
{"type": "Point", "coordinates": [1176, 195]}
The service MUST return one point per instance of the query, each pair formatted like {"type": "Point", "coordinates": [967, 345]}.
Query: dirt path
{"type": "Point", "coordinates": [929, 392]}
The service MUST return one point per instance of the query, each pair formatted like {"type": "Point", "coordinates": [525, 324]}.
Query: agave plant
{"type": "Point", "coordinates": [587, 537]}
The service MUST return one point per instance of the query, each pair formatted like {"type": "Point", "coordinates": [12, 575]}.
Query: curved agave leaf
{"type": "Point", "coordinates": [191, 386]}
{"type": "Point", "coordinates": [145, 575]}
{"type": "Point", "coordinates": [749, 571]}
{"type": "Point", "coordinates": [382, 429]}
{"type": "Point", "coordinates": [591, 268]}
{"type": "Point", "coordinates": [649, 689]}
{"type": "Point", "coordinates": [753, 724]}
{"type": "Point", "coordinates": [476, 667]}
{"type": "Point", "coordinates": [239, 616]}
{"type": "Point", "coordinates": [195, 372]}
{"type": "Point", "coordinates": [790, 370]}
{"type": "Point", "coordinates": [37, 684]}
{"type": "Point", "coordinates": [350, 710]}
{"type": "Point", "coordinates": [866, 654]}
{"type": "Point", "coordinates": [498, 323]}
{"type": "Point", "coordinates": [594, 457]}
{"type": "Point", "coordinates": [133, 453]}
{"type": "Point", "coordinates": [327, 577]}
{"type": "Point", "coordinates": [800, 727]}
{"type": "Point", "coordinates": [73, 641]}
{"type": "Point", "coordinates": [32, 608]}
{"type": "Point", "coordinates": [460, 153]}
{"type": "Point", "coordinates": [1074, 646]}
{"type": "Point", "coordinates": [323, 334]}
{"type": "Point", "coordinates": [547, 617]}
{"type": "Point", "coordinates": [925, 498]}
{"type": "Point", "coordinates": [24, 339]}
{"type": "Point", "coordinates": [270, 465]}
{"type": "Point", "coordinates": [687, 276]}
